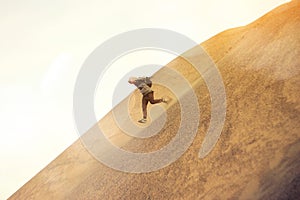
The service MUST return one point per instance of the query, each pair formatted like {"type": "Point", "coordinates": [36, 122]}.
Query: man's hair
{"type": "Point", "coordinates": [132, 79]}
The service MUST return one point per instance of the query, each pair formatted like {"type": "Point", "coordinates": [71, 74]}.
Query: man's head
{"type": "Point", "coordinates": [132, 80]}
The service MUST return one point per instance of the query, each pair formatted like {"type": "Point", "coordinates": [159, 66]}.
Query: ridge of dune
{"type": "Point", "coordinates": [257, 155]}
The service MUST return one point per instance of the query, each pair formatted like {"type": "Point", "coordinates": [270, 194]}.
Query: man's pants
{"type": "Point", "coordinates": [146, 98]}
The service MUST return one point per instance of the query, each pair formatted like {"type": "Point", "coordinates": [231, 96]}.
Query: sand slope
{"type": "Point", "coordinates": [257, 155]}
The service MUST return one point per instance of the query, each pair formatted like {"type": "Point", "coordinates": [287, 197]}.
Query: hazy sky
{"type": "Point", "coordinates": [43, 45]}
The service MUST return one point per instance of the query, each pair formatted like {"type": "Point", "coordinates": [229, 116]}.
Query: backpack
{"type": "Point", "coordinates": [148, 81]}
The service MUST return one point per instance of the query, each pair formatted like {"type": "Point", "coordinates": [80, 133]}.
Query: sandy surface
{"type": "Point", "coordinates": [257, 155]}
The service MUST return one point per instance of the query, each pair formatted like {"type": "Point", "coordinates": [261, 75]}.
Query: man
{"type": "Point", "coordinates": [144, 85]}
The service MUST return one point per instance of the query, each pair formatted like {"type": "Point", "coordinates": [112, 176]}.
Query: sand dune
{"type": "Point", "coordinates": [257, 155]}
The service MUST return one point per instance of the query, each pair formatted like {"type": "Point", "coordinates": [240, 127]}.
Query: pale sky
{"type": "Point", "coordinates": [44, 44]}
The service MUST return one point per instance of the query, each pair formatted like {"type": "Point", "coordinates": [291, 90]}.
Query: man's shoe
{"type": "Point", "coordinates": [164, 100]}
{"type": "Point", "coordinates": [143, 120]}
